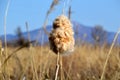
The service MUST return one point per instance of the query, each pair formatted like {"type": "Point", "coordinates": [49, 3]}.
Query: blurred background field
{"type": "Point", "coordinates": [24, 47]}
{"type": "Point", "coordinates": [39, 63]}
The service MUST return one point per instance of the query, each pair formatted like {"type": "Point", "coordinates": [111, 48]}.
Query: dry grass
{"type": "Point", "coordinates": [39, 63]}
{"type": "Point", "coordinates": [108, 55]}
{"type": "Point", "coordinates": [86, 63]}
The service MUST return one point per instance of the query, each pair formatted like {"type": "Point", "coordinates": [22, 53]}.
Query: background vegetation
{"type": "Point", "coordinates": [88, 62]}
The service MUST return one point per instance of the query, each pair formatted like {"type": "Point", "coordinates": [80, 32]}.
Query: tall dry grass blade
{"type": "Point", "coordinates": [28, 34]}
{"type": "Point", "coordinates": [108, 56]}
{"type": "Point", "coordinates": [5, 21]}
{"type": "Point", "coordinates": [58, 66]}
{"type": "Point", "coordinates": [44, 28]}
{"type": "Point", "coordinates": [53, 4]}
{"type": "Point", "coordinates": [14, 52]}
{"type": "Point", "coordinates": [0, 55]}
{"type": "Point", "coordinates": [45, 24]}
{"type": "Point", "coordinates": [34, 68]}
{"type": "Point", "coordinates": [5, 38]}
{"type": "Point", "coordinates": [65, 4]}
{"type": "Point", "coordinates": [69, 12]}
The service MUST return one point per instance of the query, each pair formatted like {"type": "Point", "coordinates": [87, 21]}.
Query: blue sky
{"type": "Point", "coordinates": [86, 12]}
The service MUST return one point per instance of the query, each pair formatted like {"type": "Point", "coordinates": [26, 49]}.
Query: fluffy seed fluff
{"type": "Point", "coordinates": [61, 37]}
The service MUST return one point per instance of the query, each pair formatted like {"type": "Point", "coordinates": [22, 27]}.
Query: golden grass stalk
{"type": "Point", "coordinates": [58, 66]}
{"type": "Point", "coordinates": [52, 6]}
{"type": "Point", "coordinates": [65, 4]}
{"type": "Point", "coordinates": [61, 68]}
{"type": "Point", "coordinates": [63, 10]}
{"type": "Point", "coordinates": [1, 49]}
{"type": "Point", "coordinates": [11, 54]}
{"type": "Point", "coordinates": [34, 68]}
{"type": "Point", "coordinates": [5, 21]}
{"type": "Point", "coordinates": [108, 56]}
{"type": "Point", "coordinates": [28, 34]}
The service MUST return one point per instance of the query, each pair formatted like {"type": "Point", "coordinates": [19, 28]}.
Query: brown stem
{"type": "Point", "coordinates": [58, 66]}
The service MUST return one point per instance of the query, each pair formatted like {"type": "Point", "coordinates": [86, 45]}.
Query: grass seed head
{"type": "Point", "coordinates": [61, 37]}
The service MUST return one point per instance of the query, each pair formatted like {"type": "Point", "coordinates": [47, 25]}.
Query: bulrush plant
{"type": "Point", "coordinates": [61, 40]}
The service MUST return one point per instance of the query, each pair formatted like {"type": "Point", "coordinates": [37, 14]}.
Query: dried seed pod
{"type": "Point", "coordinates": [61, 37]}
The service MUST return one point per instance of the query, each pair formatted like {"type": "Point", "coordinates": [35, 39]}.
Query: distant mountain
{"type": "Point", "coordinates": [82, 34]}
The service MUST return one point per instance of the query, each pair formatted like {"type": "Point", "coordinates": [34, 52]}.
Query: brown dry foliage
{"type": "Point", "coordinates": [86, 63]}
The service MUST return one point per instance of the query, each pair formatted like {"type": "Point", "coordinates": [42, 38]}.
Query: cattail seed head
{"type": "Point", "coordinates": [61, 37]}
